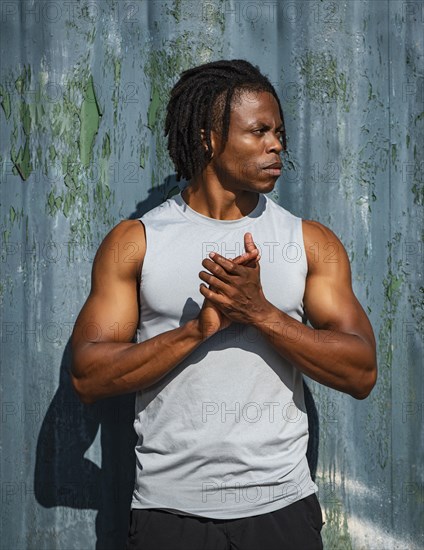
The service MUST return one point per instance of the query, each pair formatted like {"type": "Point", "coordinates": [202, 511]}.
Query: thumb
{"type": "Point", "coordinates": [250, 245]}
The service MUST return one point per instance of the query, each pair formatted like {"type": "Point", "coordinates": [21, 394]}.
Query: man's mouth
{"type": "Point", "coordinates": [273, 169]}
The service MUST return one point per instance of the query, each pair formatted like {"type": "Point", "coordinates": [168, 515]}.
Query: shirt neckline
{"type": "Point", "coordinates": [191, 214]}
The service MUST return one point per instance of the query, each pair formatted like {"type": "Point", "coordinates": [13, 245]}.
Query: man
{"type": "Point", "coordinates": [222, 341]}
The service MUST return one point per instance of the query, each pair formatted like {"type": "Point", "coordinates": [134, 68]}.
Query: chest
{"type": "Point", "coordinates": [170, 275]}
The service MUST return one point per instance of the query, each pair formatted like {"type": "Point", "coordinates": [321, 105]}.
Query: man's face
{"type": "Point", "coordinates": [254, 143]}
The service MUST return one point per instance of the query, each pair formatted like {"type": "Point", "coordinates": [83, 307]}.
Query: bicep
{"type": "Point", "coordinates": [110, 313]}
{"type": "Point", "coordinates": [329, 300]}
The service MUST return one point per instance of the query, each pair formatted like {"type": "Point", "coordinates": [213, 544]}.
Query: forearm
{"type": "Point", "coordinates": [105, 369]}
{"type": "Point", "coordinates": [336, 359]}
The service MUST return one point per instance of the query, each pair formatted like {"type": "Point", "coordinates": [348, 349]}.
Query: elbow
{"type": "Point", "coordinates": [79, 379]}
{"type": "Point", "coordinates": [80, 390]}
{"type": "Point", "coordinates": [368, 381]}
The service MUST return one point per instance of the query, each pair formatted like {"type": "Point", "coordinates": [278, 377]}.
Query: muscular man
{"type": "Point", "coordinates": [222, 339]}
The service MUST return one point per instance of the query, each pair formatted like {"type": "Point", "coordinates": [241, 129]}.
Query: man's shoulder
{"type": "Point", "coordinates": [127, 231]}
{"type": "Point", "coordinates": [323, 247]}
{"type": "Point", "coordinates": [123, 248]}
{"type": "Point", "coordinates": [314, 231]}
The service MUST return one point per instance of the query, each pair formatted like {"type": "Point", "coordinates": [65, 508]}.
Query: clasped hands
{"type": "Point", "coordinates": [234, 284]}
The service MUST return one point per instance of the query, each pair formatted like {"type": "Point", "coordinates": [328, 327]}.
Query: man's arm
{"type": "Point", "coordinates": [340, 350]}
{"type": "Point", "coordinates": [104, 360]}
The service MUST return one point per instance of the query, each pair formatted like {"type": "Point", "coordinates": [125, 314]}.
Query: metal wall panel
{"type": "Point", "coordinates": [83, 90]}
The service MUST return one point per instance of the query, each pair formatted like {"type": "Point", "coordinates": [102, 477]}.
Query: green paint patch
{"type": "Point", "coordinates": [52, 152]}
{"type": "Point", "coordinates": [155, 102]}
{"type": "Point", "coordinates": [22, 161]}
{"type": "Point", "coordinates": [418, 192]}
{"type": "Point", "coordinates": [115, 95]}
{"type": "Point", "coordinates": [71, 182]}
{"type": "Point", "coordinates": [106, 150]}
{"type": "Point", "coordinates": [90, 121]}
{"type": "Point", "coordinates": [392, 285]}
{"type": "Point", "coordinates": [175, 11]}
{"type": "Point", "coordinates": [101, 192]}
{"type": "Point", "coordinates": [68, 204]}
{"type": "Point", "coordinates": [39, 155]}
{"type": "Point", "coordinates": [5, 102]}
{"type": "Point", "coordinates": [25, 118]}
{"type": "Point", "coordinates": [324, 83]}
{"type": "Point", "coordinates": [379, 423]}
{"type": "Point", "coordinates": [335, 531]}
{"type": "Point", "coordinates": [54, 203]}
{"type": "Point", "coordinates": [23, 80]}
{"type": "Point", "coordinates": [144, 154]}
{"type": "Point", "coordinates": [163, 68]}
{"type": "Point", "coordinates": [60, 137]}
{"type": "Point", "coordinates": [15, 215]}
{"type": "Point", "coordinates": [213, 14]}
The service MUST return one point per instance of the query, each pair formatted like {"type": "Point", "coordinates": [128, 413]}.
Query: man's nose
{"type": "Point", "coordinates": [275, 145]}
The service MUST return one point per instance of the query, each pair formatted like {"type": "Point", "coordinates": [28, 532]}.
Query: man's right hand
{"type": "Point", "coordinates": [211, 319]}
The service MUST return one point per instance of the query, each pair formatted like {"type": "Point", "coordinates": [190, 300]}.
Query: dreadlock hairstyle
{"type": "Point", "coordinates": [202, 99]}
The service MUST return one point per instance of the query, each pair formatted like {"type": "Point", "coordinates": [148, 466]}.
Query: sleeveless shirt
{"type": "Point", "coordinates": [224, 434]}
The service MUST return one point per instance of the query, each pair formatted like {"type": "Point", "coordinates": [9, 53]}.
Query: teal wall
{"type": "Point", "coordinates": [83, 91]}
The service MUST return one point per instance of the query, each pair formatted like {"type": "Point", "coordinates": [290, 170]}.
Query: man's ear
{"type": "Point", "coordinates": [205, 145]}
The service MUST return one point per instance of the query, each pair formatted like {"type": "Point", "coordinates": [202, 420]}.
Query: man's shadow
{"type": "Point", "coordinates": [63, 476]}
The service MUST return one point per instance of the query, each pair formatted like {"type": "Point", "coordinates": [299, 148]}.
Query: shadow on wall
{"type": "Point", "coordinates": [64, 477]}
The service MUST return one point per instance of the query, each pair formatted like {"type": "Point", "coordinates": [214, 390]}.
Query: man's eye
{"type": "Point", "coordinates": [259, 131]}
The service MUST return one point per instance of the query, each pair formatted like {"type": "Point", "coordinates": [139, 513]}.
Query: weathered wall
{"type": "Point", "coordinates": [83, 89]}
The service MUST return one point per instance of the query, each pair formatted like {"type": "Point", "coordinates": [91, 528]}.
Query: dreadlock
{"type": "Point", "coordinates": [202, 99]}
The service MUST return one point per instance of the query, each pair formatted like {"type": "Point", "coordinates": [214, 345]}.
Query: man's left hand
{"type": "Point", "coordinates": [235, 289]}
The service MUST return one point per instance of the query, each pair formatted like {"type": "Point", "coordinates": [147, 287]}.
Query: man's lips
{"type": "Point", "coordinates": [274, 165]}
{"type": "Point", "coordinates": [273, 169]}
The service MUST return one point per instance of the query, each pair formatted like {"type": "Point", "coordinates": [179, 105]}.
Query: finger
{"type": "Point", "coordinates": [214, 283]}
{"type": "Point", "coordinates": [249, 244]}
{"type": "Point", "coordinates": [216, 299]}
{"type": "Point", "coordinates": [221, 266]}
{"type": "Point", "coordinates": [247, 256]}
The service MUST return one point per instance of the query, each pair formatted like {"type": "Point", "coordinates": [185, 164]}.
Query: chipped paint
{"type": "Point", "coordinates": [5, 101]}
{"type": "Point", "coordinates": [324, 82]}
{"type": "Point", "coordinates": [89, 122]}
{"type": "Point", "coordinates": [162, 68]}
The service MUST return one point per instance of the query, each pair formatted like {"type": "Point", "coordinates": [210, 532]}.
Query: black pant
{"type": "Point", "coordinates": [294, 527]}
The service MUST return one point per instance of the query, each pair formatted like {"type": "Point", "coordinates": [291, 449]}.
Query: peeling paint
{"type": "Point", "coordinates": [324, 83]}
{"type": "Point", "coordinates": [175, 11]}
{"type": "Point", "coordinates": [21, 83]}
{"type": "Point", "coordinates": [163, 67]}
{"type": "Point", "coordinates": [90, 121]}
{"type": "Point", "coordinates": [5, 102]}
{"type": "Point", "coordinates": [22, 161]}
{"type": "Point", "coordinates": [155, 103]}
{"type": "Point", "coordinates": [379, 430]}
{"type": "Point", "coordinates": [144, 155]}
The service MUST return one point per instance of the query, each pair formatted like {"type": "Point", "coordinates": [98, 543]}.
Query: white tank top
{"type": "Point", "coordinates": [224, 434]}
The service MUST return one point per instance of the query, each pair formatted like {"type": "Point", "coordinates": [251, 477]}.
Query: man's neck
{"type": "Point", "coordinates": [218, 203]}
